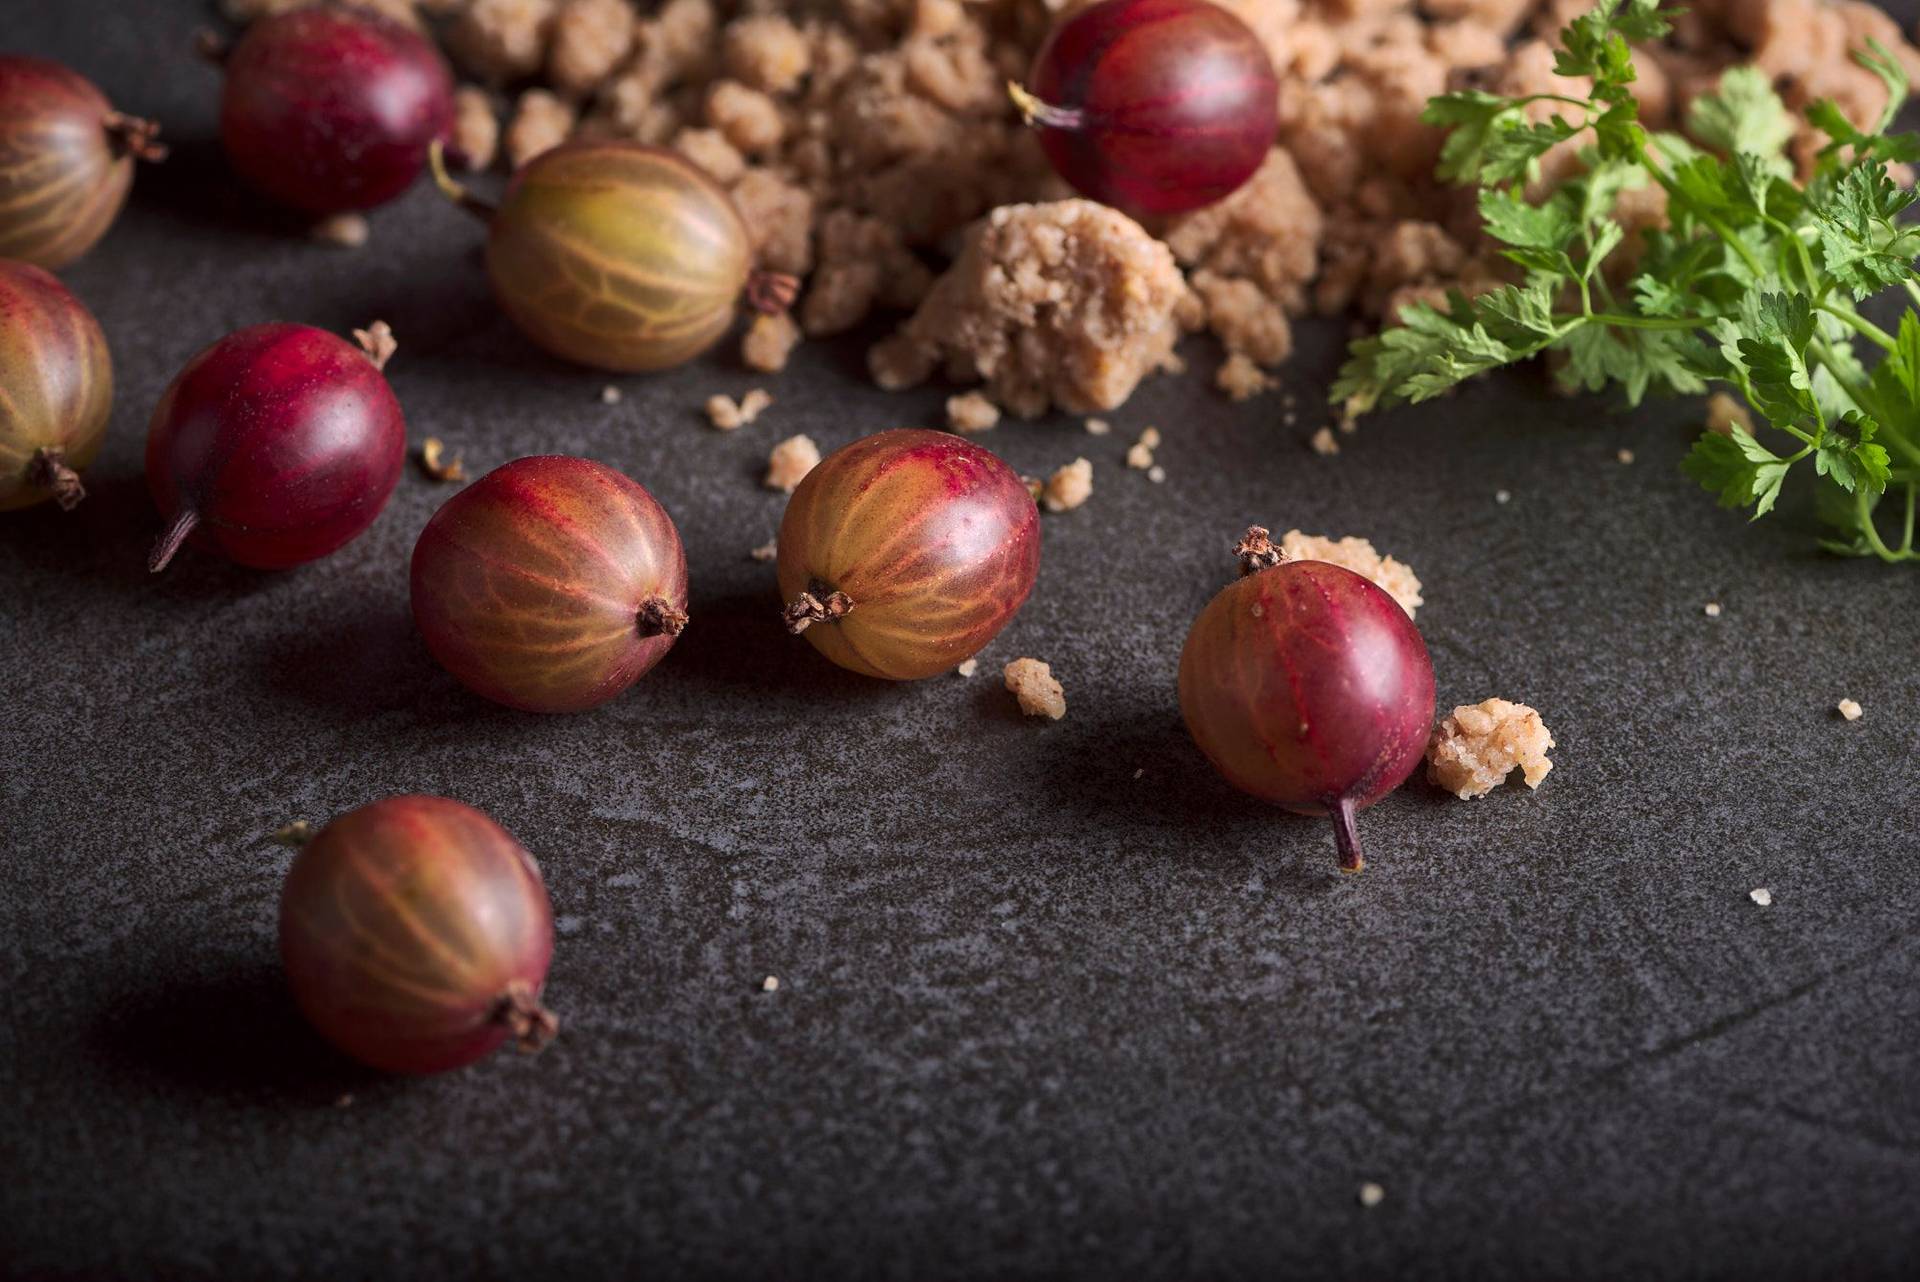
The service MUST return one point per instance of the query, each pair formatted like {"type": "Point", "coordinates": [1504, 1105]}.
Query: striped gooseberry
{"type": "Point", "coordinates": [56, 388]}
{"type": "Point", "coordinates": [902, 554]}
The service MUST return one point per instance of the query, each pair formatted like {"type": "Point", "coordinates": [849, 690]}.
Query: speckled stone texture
{"type": "Point", "coordinates": [1053, 1001]}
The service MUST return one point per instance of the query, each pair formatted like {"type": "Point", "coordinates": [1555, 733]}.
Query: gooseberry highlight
{"type": "Point", "coordinates": [331, 108]}
{"type": "Point", "coordinates": [550, 584]}
{"type": "Point", "coordinates": [276, 445]}
{"type": "Point", "coordinates": [1153, 106]}
{"type": "Point", "coordinates": [902, 554]}
{"type": "Point", "coordinates": [416, 935]}
{"type": "Point", "coordinates": [66, 161]}
{"type": "Point", "coordinates": [619, 256]}
{"type": "Point", "coordinates": [56, 389]}
{"type": "Point", "coordinates": [1308, 686]}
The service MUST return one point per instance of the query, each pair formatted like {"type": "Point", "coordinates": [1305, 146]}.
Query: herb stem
{"type": "Point", "coordinates": [1872, 534]}
{"type": "Point", "coordinates": [1860, 325]}
{"type": "Point", "coordinates": [1906, 537]}
{"type": "Point", "coordinates": [1628, 321]}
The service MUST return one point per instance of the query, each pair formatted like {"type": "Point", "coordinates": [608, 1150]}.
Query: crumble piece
{"type": "Point", "coordinates": [501, 40]}
{"type": "Point", "coordinates": [1372, 1195]}
{"type": "Point", "coordinates": [1066, 304]}
{"type": "Point", "coordinates": [1140, 453]}
{"type": "Point", "coordinates": [1324, 443]}
{"type": "Point", "coordinates": [1032, 684]}
{"type": "Point", "coordinates": [1475, 749]}
{"type": "Point", "coordinates": [709, 149]}
{"type": "Point", "coordinates": [1625, 456]}
{"type": "Point", "coordinates": [779, 218]}
{"type": "Point", "coordinates": [541, 122]}
{"type": "Point", "coordinates": [968, 668]}
{"type": "Point", "coordinates": [1241, 379]}
{"type": "Point", "coordinates": [1068, 487]}
{"type": "Point", "coordinates": [971, 412]}
{"type": "Point", "coordinates": [475, 139]}
{"type": "Point", "coordinates": [1849, 710]}
{"type": "Point", "coordinates": [767, 551]}
{"type": "Point", "coordinates": [435, 463]}
{"type": "Point", "coordinates": [1156, 474]}
{"type": "Point", "coordinates": [610, 395]}
{"type": "Point", "coordinates": [790, 462]}
{"type": "Point", "coordinates": [1724, 413]}
{"type": "Point", "coordinates": [348, 230]}
{"type": "Point", "coordinates": [588, 39]}
{"type": "Point", "coordinates": [1711, 609]}
{"type": "Point", "coordinates": [769, 342]}
{"type": "Point", "coordinates": [771, 984]}
{"type": "Point", "coordinates": [725, 414]}
{"type": "Point", "coordinates": [863, 262]}
{"type": "Point", "coordinates": [1098, 427]}
{"type": "Point", "coordinates": [1503, 496]}
{"type": "Point", "coordinates": [1762, 896]}
{"type": "Point", "coordinates": [1393, 577]}
{"type": "Point", "coordinates": [751, 120]}
{"type": "Point", "coordinates": [765, 51]}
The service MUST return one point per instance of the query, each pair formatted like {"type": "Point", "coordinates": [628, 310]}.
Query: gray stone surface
{"type": "Point", "coordinates": [1054, 1001]}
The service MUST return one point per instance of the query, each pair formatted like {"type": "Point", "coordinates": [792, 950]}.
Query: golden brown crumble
{"type": "Point", "coordinates": [1033, 686]}
{"type": "Point", "coordinates": [1477, 747]}
{"type": "Point", "coordinates": [1068, 487]}
{"type": "Point", "coordinates": [1395, 578]}
{"type": "Point", "coordinates": [790, 462]}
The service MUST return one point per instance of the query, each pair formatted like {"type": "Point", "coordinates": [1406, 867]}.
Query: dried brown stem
{"type": "Point", "coordinates": [771, 293]}
{"type": "Point", "coordinates": [1346, 836]}
{"type": "Point", "coordinates": [658, 617]}
{"type": "Point", "coordinates": [453, 191]}
{"type": "Point", "coordinates": [377, 341]}
{"type": "Point", "coordinates": [48, 469]}
{"type": "Point", "coordinates": [170, 540]}
{"type": "Point", "coordinates": [1257, 551]}
{"type": "Point", "coordinates": [531, 1024]}
{"type": "Point", "coordinates": [134, 137]}
{"type": "Point", "coordinates": [808, 609]}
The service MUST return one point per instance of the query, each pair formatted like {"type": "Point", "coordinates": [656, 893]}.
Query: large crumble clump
{"type": "Point", "coordinates": [1395, 578]}
{"type": "Point", "coordinates": [1475, 749]}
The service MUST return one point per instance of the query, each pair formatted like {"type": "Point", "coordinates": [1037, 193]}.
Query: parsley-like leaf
{"type": "Point", "coordinates": [1744, 115]}
{"type": "Point", "coordinates": [1738, 469]}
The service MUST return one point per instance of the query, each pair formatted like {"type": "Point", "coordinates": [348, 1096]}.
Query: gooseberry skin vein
{"type": "Point", "coordinates": [56, 389]}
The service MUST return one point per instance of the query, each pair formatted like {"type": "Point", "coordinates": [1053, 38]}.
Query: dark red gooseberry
{"type": "Point", "coordinates": [1308, 686]}
{"type": "Point", "coordinates": [619, 256]}
{"type": "Point", "coordinates": [276, 445]}
{"type": "Point", "coordinates": [550, 584]}
{"type": "Point", "coordinates": [330, 108]}
{"type": "Point", "coordinates": [1153, 106]}
{"type": "Point", "coordinates": [66, 161]}
{"type": "Point", "coordinates": [56, 389]}
{"type": "Point", "coordinates": [416, 936]}
{"type": "Point", "coordinates": [903, 554]}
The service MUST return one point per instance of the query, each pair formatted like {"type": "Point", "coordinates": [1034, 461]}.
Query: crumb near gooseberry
{"type": "Point", "coordinates": [766, 551]}
{"type": "Point", "coordinates": [1476, 747]}
{"type": "Point", "coordinates": [790, 461]}
{"type": "Point", "coordinates": [1033, 686]}
{"type": "Point", "coordinates": [1156, 474]}
{"type": "Point", "coordinates": [1761, 895]}
{"type": "Point", "coordinates": [348, 230]}
{"type": "Point", "coordinates": [1711, 609]}
{"type": "Point", "coordinates": [1371, 1195]}
{"type": "Point", "coordinates": [968, 668]}
{"type": "Point", "coordinates": [771, 984]}
{"type": "Point", "coordinates": [1849, 710]}
{"type": "Point", "coordinates": [1395, 578]}
{"type": "Point", "coordinates": [610, 395]}
{"type": "Point", "coordinates": [971, 412]}
{"type": "Point", "coordinates": [1068, 487]}
{"type": "Point", "coordinates": [435, 463]}
{"type": "Point", "coordinates": [1323, 442]}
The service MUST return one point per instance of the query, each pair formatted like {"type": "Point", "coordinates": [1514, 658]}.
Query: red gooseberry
{"type": "Point", "coordinates": [416, 935]}
{"type": "Point", "coordinates": [550, 584]}
{"type": "Point", "coordinates": [902, 554]}
{"type": "Point", "coordinates": [56, 389]}
{"type": "Point", "coordinates": [1306, 685]}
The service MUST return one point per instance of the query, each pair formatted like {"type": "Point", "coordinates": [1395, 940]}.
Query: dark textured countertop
{"type": "Point", "coordinates": [1054, 1001]}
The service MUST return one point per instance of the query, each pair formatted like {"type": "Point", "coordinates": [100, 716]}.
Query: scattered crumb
{"type": "Point", "coordinates": [1762, 896]}
{"type": "Point", "coordinates": [345, 1101]}
{"type": "Point", "coordinates": [767, 551]}
{"type": "Point", "coordinates": [1476, 748]}
{"type": "Point", "coordinates": [790, 461]}
{"type": "Point", "coordinates": [1371, 1195]}
{"type": "Point", "coordinates": [771, 984]}
{"type": "Point", "coordinates": [971, 412]}
{"type": "Point", "coordinates": [1348, 424]}
{"type": "Point", "coordinates": [1848, 709]}
{"type": "Point", "coordinates": [541, 122]}
{"type": "Point", "coordinates": [1724, 413]}
{"type": "Point", "coordinates": [435, 463]}
{"type": "Point", "coordinates": [475, 139]}
{"type": "Point", "coordinates": [1140, 455]}
{"type": "Point", "coordinates": [1395, 578]}
{"type": "Point", "coordinates": [1625, 456]}
{"type": "Point", "coordinates": [348, 231]}
{"type": "Point", "coordinates": [1241, 379]}
{"type": "Point", "coordinates": [769, 342]}
{"type": "Point", "coordinates": [1323, 442]}
{"type": "Point", "coordinates": [1711, 609]}
{"type": "Point", "coordinates": [610, 395]}
{"type": "Point", "coordinates": [1156, 474]}
{"type": "Point", "coordinates": [1069, 487]}
{"type": "Point", "coordinates": [968, 668]}
{"type": "Point", "coordinates": [725, 414]}
{"type": "Point", "coordinates": [1098, 427]}
{"type": "Point", "coordinates": [1150, 437]}
{"type": "Point", "coordinates": [1032, 683]}
{"type": "Point", "coordinates": [1140, 772]}
{"type": "Point", "coordinates": [1503, 496]}
{"type": "Point", "coordinates": [294, 834]}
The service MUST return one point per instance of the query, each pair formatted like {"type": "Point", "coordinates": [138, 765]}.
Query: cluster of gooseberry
{"type": "Point", "coordinates": [415, 932]}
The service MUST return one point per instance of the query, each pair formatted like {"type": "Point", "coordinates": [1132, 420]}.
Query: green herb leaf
{"type": "Point", "coordinates": [1848, 455]}
{"type": "Point", "coordinates": [1744, 115]}
{"type": "Point", "coordinates": [1738, 469]}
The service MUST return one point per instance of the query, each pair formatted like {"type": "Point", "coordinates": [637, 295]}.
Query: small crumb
{"type": "Point", "coordinates": [767, 551]}
{"type": "Point", "coordinates": [1625, 456]}
{"type": "Point", "coordinates": [727, 414]}
{"type": "Point", "coordinates": [1150, 438]}
{"type": "Point", "coordinates": [1503, 496]}
{"type": "Point", "coordinates": [345, 1101]}
{"type": "Point", "coordinates": [295, 834]}
{"type": "Point", "coordinates": [790, 462]}
{"type": "Point", "coordinates": [968, 668]}
{"type": "Point", "coordinates": [1140, 457]}
{"type": "Point", "coordinates": [1371, 1195]}
{"type": "Point", "coordinates": [1762, 896]}
{"type": "Point", "coordinates": [769, 342]}
{"type": "Point", "coordinates": [475, 139]}
{"type": "Point", "coordinates": [1141, 772]}
{"type": "Point", "coordinates": [971, 412]}
{"type": "Point", "coordinates": [1156, 474]}
{"type": "Point", "coordinates": [1323, 442]}
{"type": "Point", "coordinates": [771, 984]}
{"type": "Point", "coordinates": [610, 395]}
{"type": "Point", "coordinates": [348, 231]}
{"type": "Point", "coordinates": [1032, 684]}
{"type": "Point", "coordinates": [1349, 424]}
{"type": "Point", "coordinates": [1098, 427]}
{"type": "Point", "coordinates": [1478, 746]}
{"type": "Point", "coordinates": [753, 403]}
{"type": "Point", "coordinates": [1069, 487]}
{"type": "Point", "coordinates": [435, 463]}
{"type": "Point", "coordinates": [1711, 609]}
{"type": "Point", "coordinates": [1849, 709]}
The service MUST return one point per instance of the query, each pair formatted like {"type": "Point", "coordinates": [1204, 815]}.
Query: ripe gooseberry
{"type": "Point", "coordinates": [277, 444]}
{"type": "Point", "coordinates": [328, 108]}
{"type": "Point", "coordinates": [1306, 685]}
{"type": "Point", "coordinates": [1153, 106]}
{"type": "Point", "coordinates": [619, 256]}
{"type": "Point", "coordinates": [902, 554]}
{"type": "Point", "coordinates": [56, 389]}
{"type": "Point", "coordinates": [66, 161]}
{"type": "Point", "coordinates": [416, 935]}
{"type": "Point", "coordinates": [550, 584]}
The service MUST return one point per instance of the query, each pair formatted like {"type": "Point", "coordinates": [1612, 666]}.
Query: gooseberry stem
{"type": "Point", "coordinates": [1257, 551]}
{"type": "Point", "coordinates": [531, 1024]}
{"type": "Point", "coordinates": [658, 618]}
{"type": "Point", "coordinates": [132, 136]}
{"type": "Point", "coordinates": [48, 469]}
{"type": "Point", "coordinates": [772, 292]}
{"type": "Point", "coordinates": [1346, 836]}
{"type": "Point", "coordinates": [808, 609]}
{"type": "Point", "coordinates": [378, 342]}
{"type": "Point", "coordinates": [1043, 114]}
{"type": "Point", "coordinates": [453, 191]}
{"type": "Point", "coordinates": [170, 541]}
